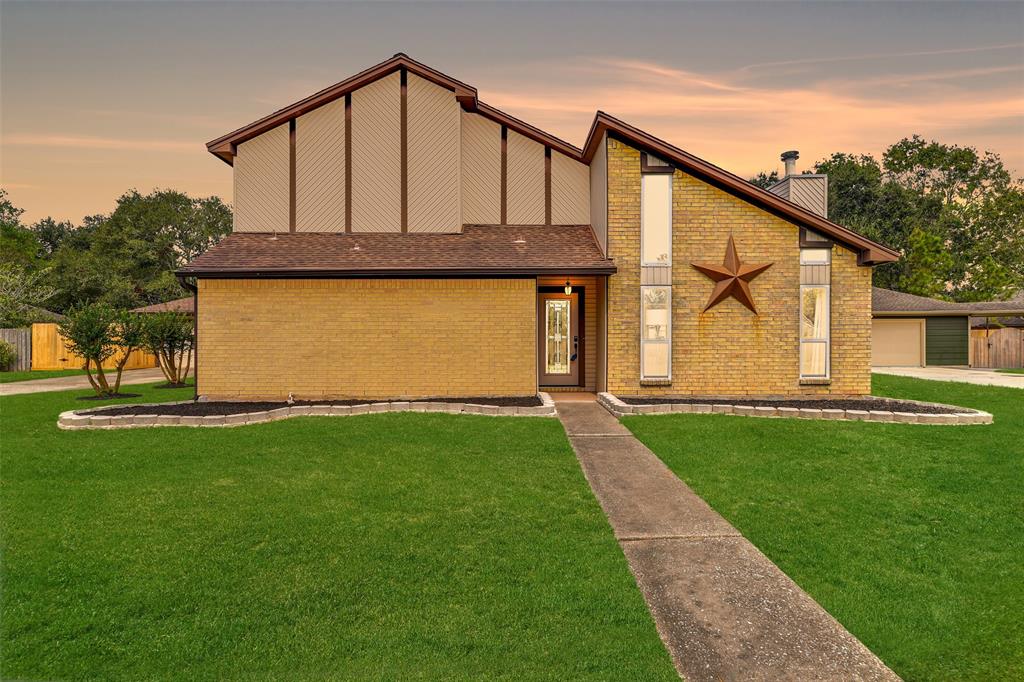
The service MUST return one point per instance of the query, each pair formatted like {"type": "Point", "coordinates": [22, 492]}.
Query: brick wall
{"type": "Point", "coordinates": [261, 339]}
{"type": "Point", "coordinates": [727, 350]}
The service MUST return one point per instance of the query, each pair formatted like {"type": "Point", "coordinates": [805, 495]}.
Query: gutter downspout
{"type": "Point", "coordinates": [191, 286]}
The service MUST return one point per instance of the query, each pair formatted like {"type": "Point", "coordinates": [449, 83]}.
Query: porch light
{"type": "Point", "coordinates": [568, 288]}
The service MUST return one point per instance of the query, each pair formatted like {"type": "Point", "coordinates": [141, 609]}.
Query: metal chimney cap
{"type": "Point", "coordinates": [791, 154]}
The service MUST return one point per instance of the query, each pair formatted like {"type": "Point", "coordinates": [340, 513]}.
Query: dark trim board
{"type": "Point", "coordinates": [348, 162]}
{"type": "Point", "coordinates": [404, 131]}
{"type": "Point", "coordinates": [504, 175]}
{"type": "Point", "coordinates": [291, 176]}
{"type": "Point", "coordinates": [454, 273]}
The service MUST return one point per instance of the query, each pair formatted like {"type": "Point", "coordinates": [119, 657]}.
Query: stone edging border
{"type": "Point", "coordinates": [83, 420]}
{"type": "Point", "coordinates": [967, 416]}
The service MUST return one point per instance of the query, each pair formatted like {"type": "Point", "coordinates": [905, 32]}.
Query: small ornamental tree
{"type": "Point", "coordinates": [169, 337]}
{"type": "Point", "coordinates": [129, 332]}
{"type": "Point", "coordinates": [88, 332]}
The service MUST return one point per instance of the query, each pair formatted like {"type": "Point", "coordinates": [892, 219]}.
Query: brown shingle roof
{"type": "Point", "coordinates": [477, 250]}
{"type": "Point", "coordinates": [887, 302]}
{"type": "Point", "coordinates": [178, 305]}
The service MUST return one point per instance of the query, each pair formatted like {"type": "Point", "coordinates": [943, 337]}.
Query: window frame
{"type": "Point", "coordinates": [671, 188]}
{"type": "Point", "coordinates": [826, 341]}
{"type": "Point", "coordinates": [826, 261]}
{"type": "Point", "coordinates": [666, 342]}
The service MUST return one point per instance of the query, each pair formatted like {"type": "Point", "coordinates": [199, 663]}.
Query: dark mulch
{"type": "Point", "coordinates": [108, 397]}
{"type": "Point", "coordinates": [820, 404]}
{"type": "Point", "coordinates": [222, 408]}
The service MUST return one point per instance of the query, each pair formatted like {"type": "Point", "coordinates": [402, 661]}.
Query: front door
{"type": "Point", "coordinates": [558, 327]}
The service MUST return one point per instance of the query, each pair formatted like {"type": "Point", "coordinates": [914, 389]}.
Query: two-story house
{"type": "Point", "coordinates": [395, 236]}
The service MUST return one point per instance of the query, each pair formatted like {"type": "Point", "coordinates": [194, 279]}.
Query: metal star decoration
{"type": "Point", "coordinates": [732, 278]}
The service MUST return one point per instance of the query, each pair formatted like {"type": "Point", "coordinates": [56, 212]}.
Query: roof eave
{"type": "Point", "coordinates": [355, 273]}
{"type": "Point", "coordinates": [869, 252]}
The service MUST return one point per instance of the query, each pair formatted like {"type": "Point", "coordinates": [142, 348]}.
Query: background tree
{"type": "Point", "coordinates": [21, 293]}
{"type": "Point", "coordinates": [765, 180]}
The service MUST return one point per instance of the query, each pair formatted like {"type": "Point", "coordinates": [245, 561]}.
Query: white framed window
{"type": "Point", "coordinates": [656, 219]}
{"type": "Point", "coordinates": [815, 323]}
{"type": "Point", "coordinates": [815, 256]}
{"type": "Point", "coordinates": [655, 332]}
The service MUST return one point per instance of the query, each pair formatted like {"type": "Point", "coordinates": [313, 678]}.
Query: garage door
{"type": "Point", "coordinates": [947, 341]}
{"type": "Point", "coordinates": [897, 343]}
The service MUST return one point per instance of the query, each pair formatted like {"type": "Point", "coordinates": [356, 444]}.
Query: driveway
{"type": "Point", "coordinates": [133, 376]}
{"type": "Point", "coordinates": [984, 377]}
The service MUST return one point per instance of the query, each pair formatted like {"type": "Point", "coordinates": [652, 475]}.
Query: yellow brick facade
{"type": "Point", "coordinates": [727, 350]}
{"type": "Point", "coordinates": [379, 338]}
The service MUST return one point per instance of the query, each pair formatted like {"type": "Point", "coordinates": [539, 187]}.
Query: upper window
{"type": "Point", "coordinates": [815, 256]}
{"type": "Point", "coordinates": [656, 219]}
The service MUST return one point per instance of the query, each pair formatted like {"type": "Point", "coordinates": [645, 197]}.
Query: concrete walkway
{"type": "Point", "coordinates": [984, 377]}
{"type": "Point", "coordinates": [133, 376]}
{"type": "Point", "coordinates": [724, 611]}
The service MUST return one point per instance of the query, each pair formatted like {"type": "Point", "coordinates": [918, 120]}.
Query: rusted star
{"type": "Point", "coordinates": [732, 278]}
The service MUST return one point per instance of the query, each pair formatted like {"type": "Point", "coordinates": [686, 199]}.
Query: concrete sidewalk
{"type": "Point", "coordinates": [982, 377]}
{"type": "Point", "coordinates": [133, 376]}
{"type": "Point", "coordinates": [724, 611]}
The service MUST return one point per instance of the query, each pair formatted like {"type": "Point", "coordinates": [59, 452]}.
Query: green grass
{"type": "Point", "coordinates": [386, 546]}
{"type": "Point", "coordinates": [1011, 371]}
{"type": "Point", "coordinates": [29, 375]}
{"type": "Point", "coordinates": [912, 536]}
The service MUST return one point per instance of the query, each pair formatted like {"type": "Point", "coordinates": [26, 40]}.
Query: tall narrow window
{"type": "Point", "coordinates": [815, 313]}
{"type": "Point", "coordinates": [656, 332]}
{"type": "Point", "coordinates": [656, 218]}
{"type": "Point", "coordinates": [814, 330]}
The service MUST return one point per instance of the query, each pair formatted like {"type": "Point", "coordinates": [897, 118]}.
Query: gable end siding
{"type": "Point", "coordinates": [434, 157]}
{"type": "Point", "coordinates": [261, 179]}
{"type": "Point", "coordinates": [377, 156]}
{"type": "Point", "coordinates": [320, 169]}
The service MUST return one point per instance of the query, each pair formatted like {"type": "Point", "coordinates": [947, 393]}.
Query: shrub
{"type": "Point", "coordinates": [8, 354]}
{"type": "Point", "coordinates": [169, 337]}
{"type": "Point", "coordinates": [97, 333]}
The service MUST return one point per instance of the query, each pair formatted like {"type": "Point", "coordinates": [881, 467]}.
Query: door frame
{"type": "Point", "coordinates": [580, 291]}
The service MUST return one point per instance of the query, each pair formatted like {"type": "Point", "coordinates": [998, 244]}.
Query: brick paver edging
{"type": "Point", "coordinates": [736, 407]}
{"type": "Point", "coordinates": [84, 420]}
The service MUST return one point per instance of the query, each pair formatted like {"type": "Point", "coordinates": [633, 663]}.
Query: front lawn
{"type": "Point", "coordinates": [911, 536]}
{"type": "Point", "coordinates": [1011, 371]}
{"type": "Point", "coordinates": [30, 375]}
{"type": "Point", "coordinates": [387, 546]}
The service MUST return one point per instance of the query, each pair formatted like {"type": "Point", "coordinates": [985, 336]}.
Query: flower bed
{"type": "Point", "coordinates": [192, 413]}
{"type": "Point", "coordinates": [849, 409]}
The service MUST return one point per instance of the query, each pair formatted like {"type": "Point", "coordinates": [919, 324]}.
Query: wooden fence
{"type": "Point", "coordinates": [21, 339]}
{"type": "Point", "coordinates": [998, 348]}
{"type": "Point", "coordinates": [49, 352]}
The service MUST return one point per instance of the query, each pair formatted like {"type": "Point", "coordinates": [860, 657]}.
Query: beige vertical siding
{"type": "Point", "coordinates": [320, 169]}
{"type": "Point", "coordinates": [262, 183]}
{"type": "Point", "coordinates": [525, 201]}
{"type": "Point", "coordinates": [377, 156]}
{"type": "Point", "coordinates": [599, 193]}
{"type": "Point", "coordinates": [570, 191]}
{"type": "Point", "coordinates": [481, 170]}
{"type": "Point", "coordinates": [433, 148]}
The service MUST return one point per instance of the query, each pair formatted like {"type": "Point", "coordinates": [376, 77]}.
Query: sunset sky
{"type": "Point", "coordinates": [98, 98]}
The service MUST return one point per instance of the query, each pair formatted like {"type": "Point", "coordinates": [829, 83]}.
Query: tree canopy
{"type": "Point", "coordinates": [125, 259]}
{"type": "Point", "coordinates": [955, 214]}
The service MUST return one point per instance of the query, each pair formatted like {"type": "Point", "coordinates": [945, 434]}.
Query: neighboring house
{"type": "Point", "coordinates": [915, 331]}
{"type": "Point", "coordinates": [178, 305]}
{"type": "Point", "coordinates": [396, 236]}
